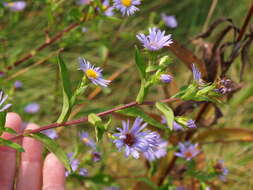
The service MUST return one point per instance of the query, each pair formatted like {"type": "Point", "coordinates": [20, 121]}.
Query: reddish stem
{"type": "Point", "coordinates": [85, 119]}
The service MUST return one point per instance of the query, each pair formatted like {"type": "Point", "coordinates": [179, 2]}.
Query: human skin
{"type": "Point", "coordinates": [31, 173]}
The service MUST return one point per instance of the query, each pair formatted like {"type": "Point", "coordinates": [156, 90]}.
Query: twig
{"type": "Point", "coordinates": [48, 42]}
{"type": "Point", "coordinates": [246, 22]}
{"type": "Point", "coordinates": [85, 119]}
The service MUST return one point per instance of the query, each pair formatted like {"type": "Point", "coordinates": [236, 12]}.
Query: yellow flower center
{"type": "Point", "coordinates": [85, 140]}
{"type": "Point", "coordinates": [91, 73]}
{"type": "Point", "coordinates": [126, 3]}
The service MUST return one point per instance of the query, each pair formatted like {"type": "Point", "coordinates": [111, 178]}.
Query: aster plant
{"type": "Point", "coordinates": [135, 140]}
{"type": "Point", "coordinates": [94, 74]}
{"type": "Point", "coordinates": [126, 7]}
{"type": "Point", "coordinates": [188, 151]}
{"type": "Point", "coordinates": [156, 39]}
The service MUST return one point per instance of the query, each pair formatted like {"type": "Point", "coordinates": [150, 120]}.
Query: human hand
{"type": "Point", "coordinates": [29, 173]}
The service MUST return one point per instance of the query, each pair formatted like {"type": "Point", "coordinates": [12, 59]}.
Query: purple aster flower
{"type": "Point", "coordinates": [2, 74]}
{"type": "Point", "coordinates": [83, 172]}
{"type": "Point", "coordinates": [170, 21]}
{"type": "Point", "coordinates": [111, 188]}
{"type": "Point", "coordinates": [221, 170]}
{"type": "Point", "coordinates": [166, 78]}
{"type": "Point", "coordinates": [94, 74]}
{"type": "Point", "coordinates": [126, 7]}
{"type": "Point", "coordinates": [176, 126]}
{"type": "Point", "coordinates": [83, 2]}
{"type": "Point", "coordinates": [32, 108]}
{"type": "Point", "coordinates": [74, 163]}
{"type": "Point", "coordinates": [3, 98]}
{"type": "Point", "coordinates": [155, 40]}
{"type": "Point", "coordinates": [84, 136]}
{"type": "Point", "coordinates": [96, 156]}
{"type": "Point", "coordinates": [158, 148]}
{"type": "Point", "coordinates": [133, 140]}
{"type": "Point", "coordinates": [18, 84]}
{"type": "Point", "coordinates": [191, 124]}
{"type": "Point", "coordinates": [196, 73]}
{"type": "Point", "coordinates": [187, 150]}
{"type": "Point", "coordinates": [51, 133]}
{"type": "Point", "coordinates": [15, 6]}
{"type": "Point", "coordinates": [108, 11]}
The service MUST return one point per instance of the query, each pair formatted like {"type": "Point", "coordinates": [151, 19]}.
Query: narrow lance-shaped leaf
{"type": "Point", "coordinates": [140, 63]}
{"type": "Point", "coordinates": [167, 112]}
{"type": "Point", "coordinates": [67, 93]}
{"type": "Point", "coordinates": [2, 121]}
{"type": "Point", "coordinates": [136, 112]}
{"type": "Point", "coordinates": [53, 147]}
{"type": "Point", "coordinates": [11, 144]}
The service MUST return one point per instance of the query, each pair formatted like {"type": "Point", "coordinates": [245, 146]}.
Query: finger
{"type": "Point", "coordinates": [8, 155]}
{"type": "Point", "coordinates": [30, 171]}
{"type": "Point", "coordinates": [53, 173]}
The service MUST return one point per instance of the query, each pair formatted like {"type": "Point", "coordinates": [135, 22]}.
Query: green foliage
{"type": "Point", "coordinates": [11, 144]}
{"type": "Point", "coordinates": [167, 112]}
{"type": "Point", "coordinates": [136, 112]}
{"type": "Point", "coordinates": [100, 128]}
{"type": "Point", "coordinates": [66, 91]}
{"type": "Point", "coordinates": [53, 147]}
{"type": "Point", "coordinates": [2, 121]}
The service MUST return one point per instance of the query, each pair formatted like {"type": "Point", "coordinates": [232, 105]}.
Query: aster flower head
{"type": "Point", "coordinates": [196, 73]}
{"type": "Point", "coordinates": [191, 124]}
{"type": "Point", "coordinates": [108, 10]}
{"type": "Point", "coordinates": [170, 21]}
{"type": "Point", "coordinates": [51, 133]}
{"type": "Point", "coordinates": [96, 156]}
{"type": "Point", "coordinates": [187, 150]}
{"type": "Point", "coordinates": [85, 138]}
{"type": "Point", "coordinates": [15, 6]}
{"type": "Point", "coordinates": [221, 170]}
{"type": "Point", "coordinates": [3, 98]}
{"type": "Point", "coordinates": [74, 163]}
{"type": "Point", "coordinates": [18, 84]}
{"type": "Point", "coordinates": [126, 7]}
{"type": "Point", "coordinates": [83, 172]}
{"type": "Point", "coordinates": [32, 108]}
{"type": "Point", "coordinates": [165, 78]}
{"type": "Point", "coordinates": [133, 140]}
{"type": "Point", "coordinates": [156, 39]}
{"type": "Point", "coordinates": [157, 149]}
{"type": "Point", "coordinates": [94, 74]}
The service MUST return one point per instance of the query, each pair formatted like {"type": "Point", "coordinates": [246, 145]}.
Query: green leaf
{"type": "Point", "coordinates": [53, 147]}
{"type": "Point", "coordinates": [9, 130]}
{"type": "Point", "coordinates": [167, 112]}
{"type": "Point", "coordinates": [242, 96]}
{"type": "Point", "coordinates": [136, 112]}
{"type": "Point", "coordinates": [67, 93]}
{"type": "Point", "coordinates": [2, 121]}
{"type": "Point", "coordinates": [99, 126]}
{"type": "Point", "coordinates": [140, 63]}
{"type": "Point", "coordinates": [142, 92]}
{"type": "Point", "coordinates": [12, 145]}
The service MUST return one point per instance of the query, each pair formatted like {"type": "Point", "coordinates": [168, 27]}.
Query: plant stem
{"type": "Point", "coordinates": [85, 119]}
